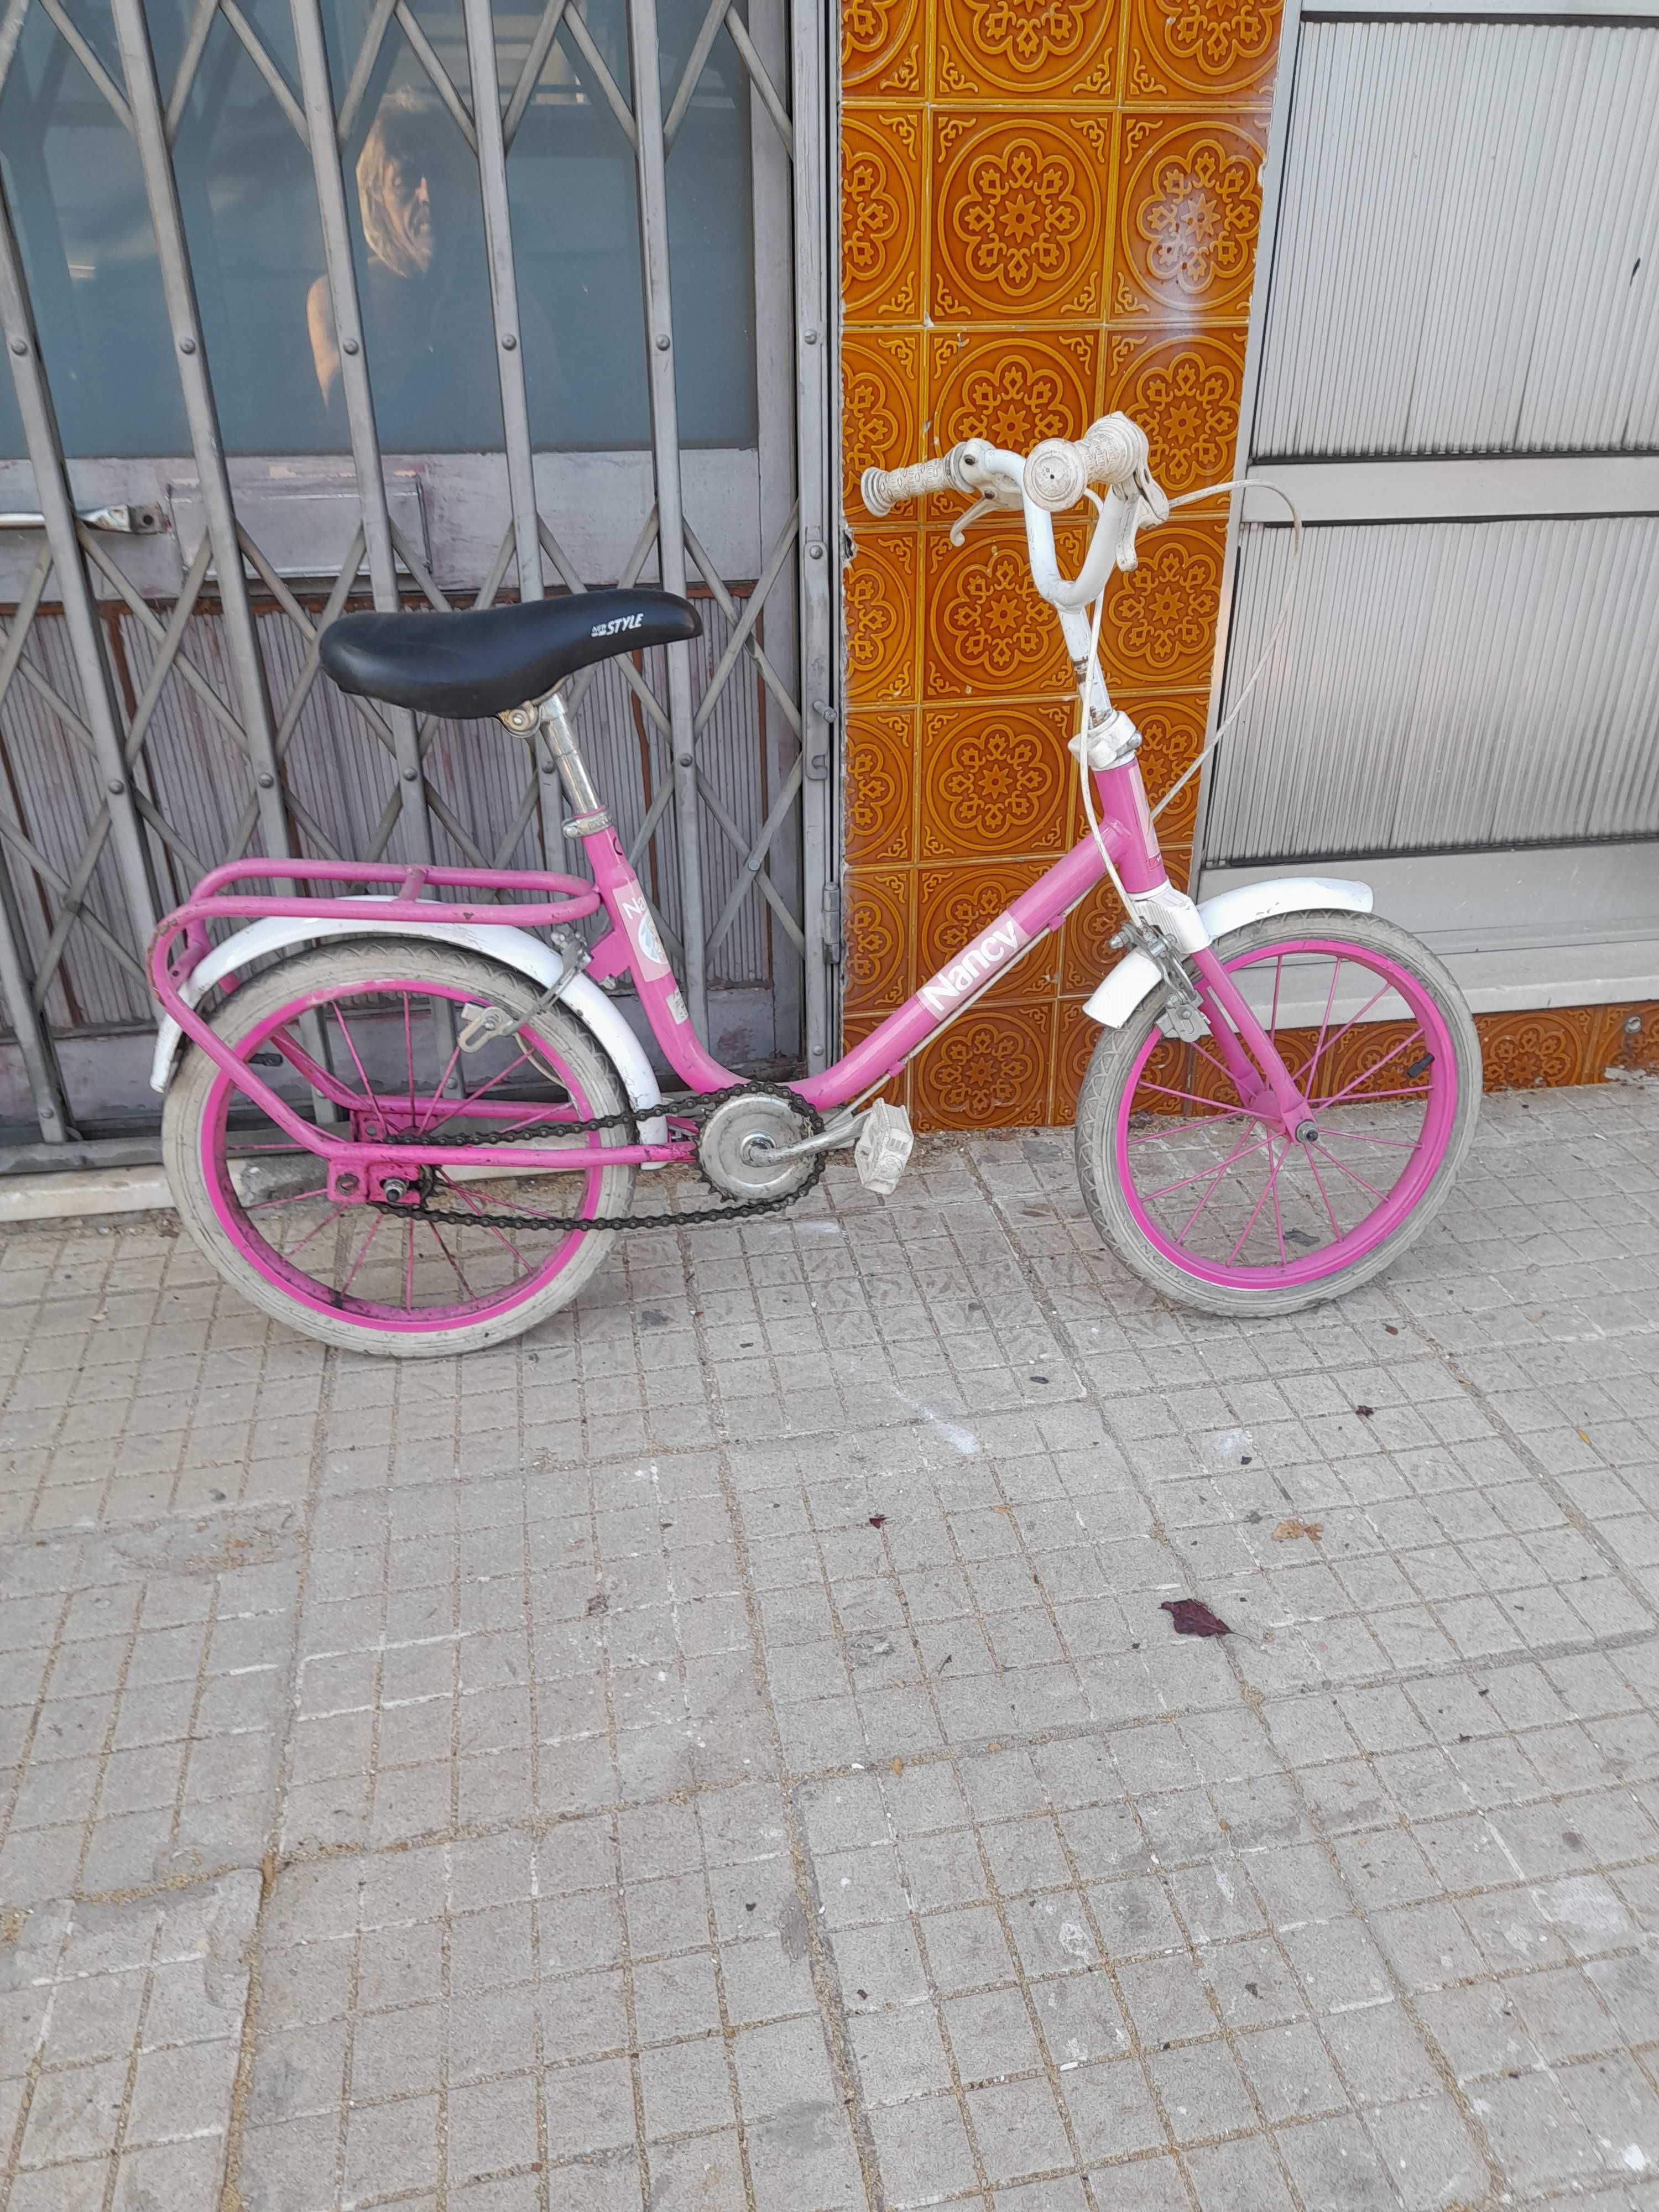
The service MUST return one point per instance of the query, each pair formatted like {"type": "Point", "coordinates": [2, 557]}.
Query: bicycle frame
{"type": "Point", "coordinates": [631, 946]}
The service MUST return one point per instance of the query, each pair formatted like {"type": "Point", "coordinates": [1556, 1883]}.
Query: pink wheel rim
{"type": "Point", "coordinates": [1228, 1200]}
{"type": "Point", "coordinates": [355, 1230]}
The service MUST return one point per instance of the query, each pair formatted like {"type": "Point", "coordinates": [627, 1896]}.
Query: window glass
{"type": "Point", "coordinates": [413, 199]}
{"type": "Point", "coordinates": [250, 213]}
{"type": "Point", "coordinates": [77, 202]}
{"type": "Point", "coordinates": [575, 224]}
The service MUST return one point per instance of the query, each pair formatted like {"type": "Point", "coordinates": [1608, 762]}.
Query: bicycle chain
{"type": "Point", "coordinates": [749, 1210]}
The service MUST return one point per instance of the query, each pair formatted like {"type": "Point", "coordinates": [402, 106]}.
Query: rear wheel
{"type": "Point", "coordinates": [488, 1256]}
{"type": "Point", "coordinates": [1217, 1207]}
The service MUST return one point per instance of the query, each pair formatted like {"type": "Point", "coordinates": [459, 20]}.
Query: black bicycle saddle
{"type": "Point", "coordinates": [464, 666]}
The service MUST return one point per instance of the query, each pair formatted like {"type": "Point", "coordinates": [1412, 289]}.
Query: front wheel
{"type": "Point", "coordinates": [1220, 1209]}
{"type": "Point", "coordinates": [373, 1025]}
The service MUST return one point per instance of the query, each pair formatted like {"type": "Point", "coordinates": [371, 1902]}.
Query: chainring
{"type": "Point", "coordinates": [740, 1136]}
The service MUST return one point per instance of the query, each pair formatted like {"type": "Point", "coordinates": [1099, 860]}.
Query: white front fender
{"type": "Point", "coordinates": [513, 948]}
{"type": "Point", "coordinates": [1134, 975]}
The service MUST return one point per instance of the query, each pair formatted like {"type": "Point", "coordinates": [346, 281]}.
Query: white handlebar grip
{"type": "Point", "coordinates": [1113, 449]}
{"type": "Point", "coordinates": [1055, 474]}
{"type": "Point", "coordinates": [883, 488]}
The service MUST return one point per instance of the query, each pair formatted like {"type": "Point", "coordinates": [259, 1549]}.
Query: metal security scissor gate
{"type": "Point", "coordinates": [317, 303]}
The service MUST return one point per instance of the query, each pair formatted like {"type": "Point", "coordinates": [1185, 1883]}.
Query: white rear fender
{"type": "Point", "coordinates": [1134, 975]}
{"type": "Point", "coordinates": [513, 948]}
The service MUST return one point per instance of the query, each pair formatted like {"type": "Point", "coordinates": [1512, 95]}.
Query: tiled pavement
{"type": "Point", "coordinates": [726, 1750]}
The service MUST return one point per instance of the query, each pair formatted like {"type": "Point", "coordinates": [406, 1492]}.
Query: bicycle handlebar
{"type": "Point", "coordinates": [884, 488]}
{"type": "Point", "coordinates": [1111, 453]}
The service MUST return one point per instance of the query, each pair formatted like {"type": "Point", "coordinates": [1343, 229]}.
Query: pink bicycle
{"type": "Point", "coordinates": [407, 1128]}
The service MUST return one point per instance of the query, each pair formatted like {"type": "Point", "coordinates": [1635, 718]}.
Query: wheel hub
{"type": "Point", "coordinates": [738, 1149]}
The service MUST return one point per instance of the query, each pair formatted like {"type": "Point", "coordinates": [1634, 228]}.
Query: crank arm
{"type": "Point", "coordinates": [823, 1141]}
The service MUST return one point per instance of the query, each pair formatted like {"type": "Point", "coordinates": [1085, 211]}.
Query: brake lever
{"type": "Point", "coordinates": [1151, 507]}
{"type": "Point", "coordinates": [1003, 497]}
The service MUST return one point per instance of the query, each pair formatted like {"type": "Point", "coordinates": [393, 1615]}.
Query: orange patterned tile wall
{"type": "Point", "coordinates": [1049, 210]}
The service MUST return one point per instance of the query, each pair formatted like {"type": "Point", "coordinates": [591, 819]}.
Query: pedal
{"type": "Point", "coordinates": [883, 1151]}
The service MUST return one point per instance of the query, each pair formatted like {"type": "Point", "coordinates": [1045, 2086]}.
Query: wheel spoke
{"type": "Point", "coordinates": [375, 1228]}
{"type": "Point", "coordinates": [1219, 1065]}
{"type": "Point", "coordinates": [438, 1088]}
{"type": "Point", "coordinates": [1416, 1091]}
{"type": "Point", "coordinates": [1278, 1161]}
{"type": "Point", "coordinates": [1404, 1043]}
{"type": "Point", "coordinates": [1325, 1019]}
{"type": "Point", "coordinates": [1236, 1153]}
{"type": "Point", "coordinates": [1186, 1181]}
{"type": "Point", "coordinates": [1359, 1137]}
{"type": "Point", "coordinates": [333, 1215]}
{"type": "Point", "coordinates": [460, 1271]}
{"type": "Point", "coordinates": [1381, 991]}
{"type": "Point", "coordinates": [286, 1198]}
{"type": "Point", "coordinates": [1336, 1231]}
{"type": "Point", "coordinates": [467, 1199]}
{"type": "Point", "coordinates": [471, 1098]}
{"type": "Point", "coordinates": [1217, 1111]}
{"type": "Point", "coordinates": [1353, 1178]}
{"type": "Point", "coordinates": [351, 1047]}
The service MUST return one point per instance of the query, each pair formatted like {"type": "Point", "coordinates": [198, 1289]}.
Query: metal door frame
{"type": "Point", "coordinates": [787, 53]}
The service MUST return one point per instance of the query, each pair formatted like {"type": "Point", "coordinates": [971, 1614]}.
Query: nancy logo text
{"type": "Point", "coordinates": [987, 952]}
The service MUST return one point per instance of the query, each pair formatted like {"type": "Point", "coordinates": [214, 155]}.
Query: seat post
{"type": "Point", "coordinates": [591, 813]}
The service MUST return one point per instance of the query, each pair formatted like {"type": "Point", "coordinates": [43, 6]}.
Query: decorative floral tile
{"type": "Point", "coordinates": [1158, 629]}
{"type": "Point", "coordinates": [880, 786]}
{"type": "Point", "coordinates": [880, 587]}
{"type": "Point", "coordinates": [1219, 50]}
{"type": "Point", "coordinates": [880, 411]}
{"type": "Point", "coordinates": [1183, 388]}
{"type": "Point", "coordinates": [989, 1070]}
{"type": "Point", "coordinates": [878, 926]}
{"type": "Point", "coordinates": [1522, 1051]}
{"type": "Point", "coordinates": [1050, 259]}
{"type": "Point", "coordinates": [1014, 387]}
{"type": "Point", "coordinates": [1027, 50]}
{"type": "Point", "coordinates": [1171, 726]}
{"type": "Point", "coordinates": [1085, 949]}
{"type": "Point", "coordinates": [881, 205]}
{"type": "Point", "coordinates": [1076, 1037]}
{"type": "Point", "coordinates": [995, 780]}
{"type": "Point", "coordinates": [1628, 1039]}
{"type": "Point", "coordinates": [1189, 209]}
{"type": "Point", "coordinates": [988, 633]}
{"type": "Point", "coordinates": [884, 48]}
{"type": "Point", "coordinates": [1019, 216]}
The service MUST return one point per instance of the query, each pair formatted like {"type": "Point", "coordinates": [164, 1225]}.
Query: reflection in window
{"type": "Point", "coordinates": [422, 279]}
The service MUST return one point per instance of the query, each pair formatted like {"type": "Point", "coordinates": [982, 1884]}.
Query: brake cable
{"type": "Point", "coordinates": [1089, 726]}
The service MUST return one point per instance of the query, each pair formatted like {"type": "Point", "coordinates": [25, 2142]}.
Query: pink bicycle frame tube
{"type": "Point", "coordinates": [632, 942]}
{"type": "Point", "coordinates": [1125, 823]}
